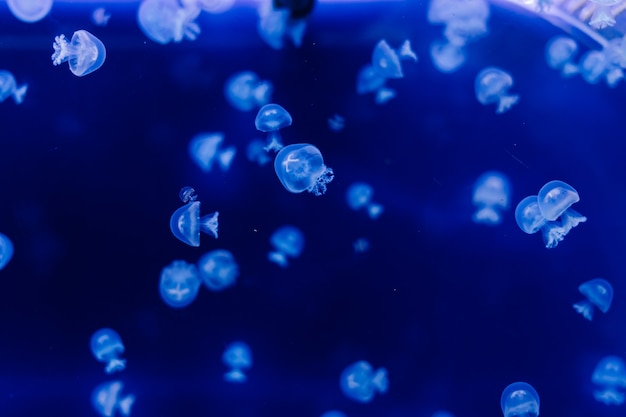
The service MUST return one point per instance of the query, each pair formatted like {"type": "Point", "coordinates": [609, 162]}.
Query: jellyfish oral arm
{"type": "Point", "coordinates": [114, 365]}
{"type": "Point", "coordinates": [62, 50]}
{"type": "Point", "coordinates": [585, 308]}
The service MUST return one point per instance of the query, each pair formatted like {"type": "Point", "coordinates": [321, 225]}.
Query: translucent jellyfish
{"type": "Point", "coordinates": [369, 79]}
{"type": "Point", "coordinates": [360, 382]}
{"type": "Point", "coordinates": [492, 85]}
{"type": "Point", "coordinates": [238, 357]}
{"type": "Point", "coordinates": [519, 399]}
{"type": "Point", "coordinates": [6, 250]}
{"type": "Point", "coordinates": [245, 91]}
{"type": "Point", "coordinates": [593, 66]}
{"type": "Point", "coordinates": [205, 149]}
{"type": "Point", "coordinates": [9, 88]}
{"type": "Point", "coordinates": [288, 242]}
{"type": "Point", "coordinates": [300, 167]}
{"type": "Point", "coordinates": [271, 118]}
{"type": "Point", "coordinates": [387, 61]}
{"type": "Point", "coordinates": [465, 20]}
{"type": "Point", "coordinates": [359, 196]}
{"type": "Point", "coordinates": [186, 223]}
{"type": "Point", "coordinates": [278, 22]}
{"type": "Point", "coordinates": [106, 345]}
{"type": "Point", "coordinates": [491, 196]}
{"type": "Point", "coordinates": [336, 123]}
{"type": "Point", "coordinates": [602, 16]}
{"type": "Point", "coordinates": [218, 269]}
{"type": "Point", "coordinates": [610, 376]}
{"type": "Point", "coordinates": [187, 194]}
{"type": "Point", "coordinates": [361, 245]}
{"type": "Point", "coordinates": [555, 200]}
{"type": "Point", "coordinates": [100, 17]}
{"type": "Point", "coordinates": [30, 11]}
{"type": "Point", "coordinates": [108, 401]}
{"type": "Point", "coordinates": [560, 53]}
{"type": "Point", "coordinates": [446, 57]}
{"type": "Point", "coordinates": [530, 220]}
{"type": "Point", "coordinates": [333, 413]}
{"type": "Point", "coordinates": [179, 284]}
{"type": "Point", "coordinates": [384, 94]}
{"type": "Point", "coordinates": [85, 53]}
{"type": "Point", "coordinates": [598, 293]}
{"type": "Point", "coordinates": [164, 21]}
{"type": "Point", "coordinates": [216, 6]}
{"type": "Point", "coordinates": [255, 152]}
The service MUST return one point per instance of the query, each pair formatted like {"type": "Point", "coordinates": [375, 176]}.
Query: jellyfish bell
{"type": "Point", "coordinates": [300, 167]}
{"type": "Point", "coordinates": [271, 118]}
{"type": "Point", "coordinates": [519, 399]}
{"type": "Point", "coordinates": [555, 197]}
{"type": "Point", "coordinates": [492, 85]}
{"type": "Point", "coordinates": [598, 293]}
{"type": "Point", "coordinates": [186, 223]}
{"type": "Point", "coordinates": [30, 11]}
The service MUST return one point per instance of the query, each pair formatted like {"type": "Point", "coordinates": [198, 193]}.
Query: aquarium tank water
{"type": "Point", "coordinates": [313, 208]}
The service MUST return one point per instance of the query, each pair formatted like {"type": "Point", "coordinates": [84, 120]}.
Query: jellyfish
{"type": "Point", "coordinates": [492, 85]}
{"type": "Point", "coordinates": [387, 61]}
{"type": "Point", "coordinates": [106, 345]}
{"type": "Point", "coordinates": [593, 66]}
{"type": "Point", "coordinates": [465, 20]}
{"type": "Point", "coordinates": [300, 167]}
{"type": "Point", "coordinates": [187, 194]}
{"type": "Point", "coordinates": [598, 293]}
{"type": "Point", "coordinates": [610, 376]}
{"type": "Point", "coordinates": [85, 53]}
{"type": "Point", "coordinates": [446, 57]}
{"type": "Point", "coordinates": [100, 17]}
{"type": "Point", "coordinates": [519, 399]}
{"type": "Point", "coordinates": [238, 357]}
{"type": "Point", "coordinates": [215, 6]}
{"type": "Point", "coordinates": [30, 11]}
{"type": "Point", "coordinates": [560, 52]}
{"type": "Point", "coordinates": [271, 118]}
{"type": "Point", "coordinates": [333, 413]}
{"type": "Point", "coordinates": [491, 196]}
{"type": "Point", "coordinates": [336, 123]}
{"type": "Point", "coordinates": [179, 284]}
{"type": "Point", "coordinates": [218, 269]}
{"type": "Point", "coordinates": [360, 382]}
{"type": "Point", "coordinates": [361, 245]}
{"type": "Point", "coordinates": [602, 16]}
{"type": "Point", "coordinates": [107, 399]}
{"type": "Point", "coordinates": [530, 220]}
{"type": "Point", "coordinates": [245, 91]}
{"type": "Point", "coordinates": [205, 148]}
{"type": "Point", "coordinates": [6, 250]}
{"type": "Point", "coordinates": [359, 196]}
{"type": "Point", "coordinates": [280, 19]}
{"type": "Point", "coordinates": [9, 88]}
{"type": "Point", "coordinates": [555, 200]}
{"type": "Point", "coordinates": [369, 79]}
{"type": "Point", "coordinates": [255, 152]}
{"type": "Point", "coordinates": [288, 242]}
{"type": "Point", "coordinates": [186, 223]}
{"type": "Point", "coordinates": [164, 21]}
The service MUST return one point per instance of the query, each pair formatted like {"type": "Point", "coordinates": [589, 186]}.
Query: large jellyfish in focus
{"type": "Point", "coordinates": [491, 196]}
{"type": "Point", "coordinates": [85, 53]}
{"type": "Point", "coordinates": [598, 293]}
{"type": "Point", "coordinates": [492, 85]}
{"type": "Point", "coordinates": [360, 381]}
{"type": "Point", "coordinates": [30, 11]}
{"type": "Point", "coordinates": [519, 399]}
{"type": "Point", "coordinates": [238, 357]}
{"type": "Point", "coordinates": [165, 21]}
{"type": "Point", "coordinates": [300, 167]}
{"type": "Point", "coordinates": [610, 377]}
{"type": "Point", "coordinates": [106, 346]}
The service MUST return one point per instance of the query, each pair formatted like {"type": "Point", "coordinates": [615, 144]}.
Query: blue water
{"type": "Point", "coordinates": [455, 311]}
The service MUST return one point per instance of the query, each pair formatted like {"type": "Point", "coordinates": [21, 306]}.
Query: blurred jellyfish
{"type": "Point", "coordinates": [446, 57]}
{"type": "Point", "coordinates": [106, 345]}
{"type": "Point", "coordinates": [369, 79]}
{"type": "Point", "coordinates": [360, 382]}
{"type": "Point", "coordinates": [164, 21]}
{"type": "Point", "coordinates": [359, 196]}
{"type": "Point", "coordinates": [610, 376]}
{"type": "Point", "coordinates": [205, 149]}
{"type": "Point", "coordinates": [186, 223]}
{"type": "Point", "coordinates": [179, 284]}
{"type": "Point", "coordinates": [519, 399]}
{"type": "Point", "coordinates": [187, 194]}
{"type": "Point", "coordinates": [216, 6]}
{"type": "Point", "coordinates": [238, 357]}
{"type": "Point", "coordinates": [288, 242]}
{"type": "Point", "coordinates": [255, 152]}
{"type": "Point", "coordinates": [598, 293]}
{"type": "Point", "coordinates": [9, 88]}
{"type": "Point", "coordinates": [491, 196]}
{"type": "Point", "coordinates": [85, 53]}
{"type": "Point", "coordinates": [245, 91]}
{"type": "Point", "coordinates": [336, 123]}
{"type": "Point", "coordinates": [492, 85]}
{"type": "Point", "coordinates": [387, 60]}
{"type": "Point", "coordinates": [361, 245]}
{"type": "Point", "coordinates": [555, 199]}
{"type": "Point", "coordinates": [333, 413]}
{"type": "Point", "coordinates": [100, 17]}
{"type": "Point", "coordinates": [560, 52]}
{"type": "Point", "coordinates": [530, 220]}
{"type": "Point", "coordinates": [6, 250]}
{"type": "Point", "coordinates": [107, 399]}
{"type": "Point", "coordinates": [280, 19]}
{"type": "Point", "coordinates": [271, 118]}
{"type": "Point", "coordinates": [300, 167]}
{"type": "Point", "coordinates": [218, 269]}
{"type": "Point", "coordinates": [465, 20]}
{"type": "Point", "coordinates": [30, 11]}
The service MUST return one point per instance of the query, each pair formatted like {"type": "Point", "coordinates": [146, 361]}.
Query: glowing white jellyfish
{"type": "Point", "coordinates": [165, 21]}
{"type": "Point", "coordinates": [30, 11]}
{"type": "Point", "coordinates": [84, 53]}
{"type": "Point", "coordinates": [300, 167]}
{"type": "Point", "coordinates": [492, 85]}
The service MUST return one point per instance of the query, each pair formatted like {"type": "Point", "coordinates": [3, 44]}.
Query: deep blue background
{"type": "Point", "coordinates": [91, 168]}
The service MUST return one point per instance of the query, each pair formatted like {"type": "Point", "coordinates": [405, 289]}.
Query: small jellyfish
{"type": "Point", "coordinates": [491, 196]}
{"type": "Point", "coordinates": [610, 375]}
{"type": "Point", "coordinates": [271, 118]}
{"type": "Point", "coordinates": [179, 284]}
{"type": "Point", "coordinates": [555, 200]}
{"type": "Point", "coordinates": [598, 293]}
{"type": "Point", "coordinates": [369, 79]}
{"type": "Point", "coordinates": [300, 167]}
{"type": "Point", "coordinates": [359, 196]}
{"type": "Point", "coordinates": [205, 148]}
{"type": "Point", "coordinates": [519, 399]}
{"type": "Point", "coordinates": [360, 382]}
{"type": "Point", "coordinates": [560, 52]}
{"type": "Point", "coordinates": [255, 152]}
{"type": "Point", "coordinates": [384, 94]}
{"type": "Point", "coordinates": [530, 219]}
{"type": "Point", "coordinates": [492, 85]}
{"type": "Point", "coordinates": [187, 194]}
{"type": "Point", "coordinates": [361, 245]}
{"type": "Point", "coordinates": [6, 250]}
{"type": "Point", "coordinates": [107, 399]}
{"type": "Point", "coordinates": [9, 88]}
{"type": "Point", "coordinates": [186, 223]}
{"type": "Point", "coordinates": [593, 66]}
{"type": "Point", "coordinates": [446, 57]}
{"type": "Point", "coordinates": [238, 357]}
{"type": "Point", "coordinates": [333, 413]}
{"type": "Point", "coordinates": [106, 346]}
{"type": "Point", "coordinates": [218, 269]}
{"type": "Point", "coordinates": [100, 17]}
{"type": "Point", "coordinates": [336, 123]}
{"type": "Point", "coordinates": [164, 21]}
{"type": "Point", "coordinates": [288, 242]}
{"type": "Point", "coordinates": [245, 91]}
{"type": "Point", "coordinates": [85, 53]}
{"type": "Point", "coordinates": [30, 11]}
{"type": "Point", "coordinates": [387, 61]}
